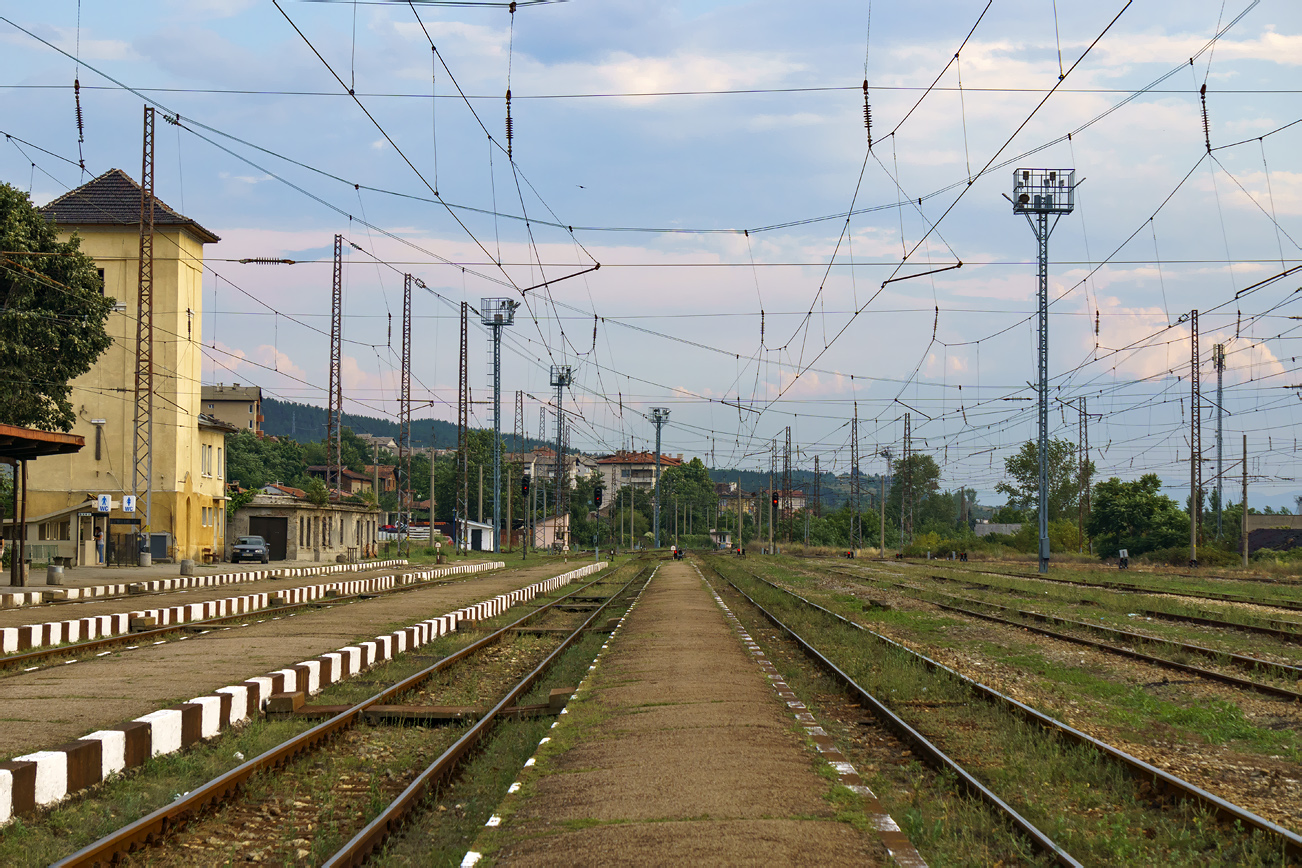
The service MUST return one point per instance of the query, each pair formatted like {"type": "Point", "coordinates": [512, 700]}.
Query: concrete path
{"type": "Point", "coordinates": [679, 753]}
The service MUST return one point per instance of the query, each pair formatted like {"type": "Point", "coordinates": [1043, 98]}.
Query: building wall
{"type": "Point", "coordinates": [182, 495]}
{"type": "Point", "coordinates": [237, 413]}
{"type": "Point", "coordinates": [313, 532]}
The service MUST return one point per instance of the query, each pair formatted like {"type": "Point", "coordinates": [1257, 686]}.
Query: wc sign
{"type": "Point", "coordinates": [103, 503]}
{"type": "Point", "coordinates": [128, 503]}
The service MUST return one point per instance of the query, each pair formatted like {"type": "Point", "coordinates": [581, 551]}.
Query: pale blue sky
{"type": "Point", "coordinates": [591, 156]}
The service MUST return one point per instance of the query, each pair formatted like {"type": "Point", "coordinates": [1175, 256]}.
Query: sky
{"type": "Point", "coordinates": [761, 266]}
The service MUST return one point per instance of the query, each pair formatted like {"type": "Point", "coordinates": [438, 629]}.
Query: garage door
{"type": "Point", "coordinates": [275, 530]}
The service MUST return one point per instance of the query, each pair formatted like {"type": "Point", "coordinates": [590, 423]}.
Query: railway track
{"type": "Point", "coordinates": [1287, 605]}
{"type": "Point", "coordinates": [1154, 782]}
{"type": "Point", "coordinates": [960, 605]}
{"type": "Point", "coordinates": [1289, 631]}
{"type": "Point", "coordinates": [343, 729]}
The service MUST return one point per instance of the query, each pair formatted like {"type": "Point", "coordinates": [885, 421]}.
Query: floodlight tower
{"type": "Point", "coordinates": [659, 416]}
{"type": "Point", "coordinates": [496, 313]}
{"type": "Point", "coordinates": [1044, 192]}
{"type": "Point", "coordinates": [562, 376]}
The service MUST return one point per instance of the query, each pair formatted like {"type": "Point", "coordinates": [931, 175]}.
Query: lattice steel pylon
{"type": "Point", "coordinates": [659, 418]}
{"type": "Point", "coordinates": [1218, 356]}
{"type": "Point", "coordinates": [334, 413]}
{"type": "Point", "coordinates": [463, 432]}
{"type": "Point", "coordinates": [1083, 475]}
{"type": "Point", "coordinates": [906, 499]}
{"type": "Point", "coordinates": [816, 499]}
{"type": "Point", "coordinates": [497, 314]}
{"type": "Point", "coordinates": [518, 435]}
{"type": "Point", "coordinates": [404, 404]}
{"type": "Point", "coordinates": [561, 377]}
{"type": "Point", "coordinates": [1041, 192]}
{"type": "Point", "coordinates": [1195, 440]}
{"type": "Point", "coordinates": [856, 493]}
{"type": "Point", "coordinates": [143, 452]}
{"type": "Point", "coordinates": [786, 488]}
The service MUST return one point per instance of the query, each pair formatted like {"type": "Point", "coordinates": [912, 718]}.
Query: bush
{"type": "Point", "coordinates": [1178, 556]}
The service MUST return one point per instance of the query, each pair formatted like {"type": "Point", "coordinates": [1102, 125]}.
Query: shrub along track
{"type": "Point", "coordinates": [301, 798]}
{"type": "Point", "coordinates": [1072, 786]}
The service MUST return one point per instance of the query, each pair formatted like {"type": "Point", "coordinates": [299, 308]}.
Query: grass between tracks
{"type": "Point", "coordinates": [86, 817]}
{"type": "Point", "coordinates": [1089, 806]}
{"type": "Point", "coordinates": [1070, 683]}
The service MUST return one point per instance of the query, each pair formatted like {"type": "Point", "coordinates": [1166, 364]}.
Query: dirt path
{"type": "Point", "coordinates": [679, 752]}
{"type": "Point", "coordinates": [62, 703]}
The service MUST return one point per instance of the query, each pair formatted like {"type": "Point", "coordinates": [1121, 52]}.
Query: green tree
{"type": "Point", "coordinates": [920, 475]}
{"type": "Point", "coordinates": [52, 316]}
{"type": "Point", "coordinates": [1135, 516]}
{"type": "Point", "coordinates": [1023, 485]}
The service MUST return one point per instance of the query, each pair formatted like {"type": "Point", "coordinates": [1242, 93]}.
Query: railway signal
{"type": "Point", "coordinates": [596, 496]}
{"type": "Point", "coordinates": [524, 485]}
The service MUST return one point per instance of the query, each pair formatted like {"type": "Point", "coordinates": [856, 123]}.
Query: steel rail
{"type": "Point", "coordinates": [1291, 841]}
{"type": "Point", "coordinates": [1186, 668]}
{"type": "Point", "coordinates": [389, 820]}
{"type": "Point", "coordinates": [1278, 631]}
{"type": "Point", "coordinates": [1288, 605]}
{"type": "Point", "coordinates": [1279, 670]}
{"type": "Point", "coordinates": [149, 829]}
{"type": "Point", "coordinates": [78, 648]}
{"type": "Point", "coordinates": [937, 757]}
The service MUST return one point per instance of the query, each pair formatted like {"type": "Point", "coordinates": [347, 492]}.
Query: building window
{"type": "Point", "coordinates": [250, 424]}
{"type": "Point", "coordinates": [221, 468]}
{"type": "Point", "coordinates": [100, 272]}
{"type": "Point", "coordinates": [250, 409]}
{"type": "Point", "coordinates": [210, 406]}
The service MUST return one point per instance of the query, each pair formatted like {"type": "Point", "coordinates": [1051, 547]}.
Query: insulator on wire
{"type": "Point", "coordinates": [1207, 127]}
{"type": "Point", "coordinates": [509, 126]}
{"type": "Point", "coordinates": [867, 115]}
{"type": "Point", "coordinates": [76, 95]}
{"type": "Point", "coordinates": [1096, 322]}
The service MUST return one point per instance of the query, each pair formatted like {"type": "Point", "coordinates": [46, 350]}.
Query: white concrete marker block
{"type": "Point", "coordinates": [51, 775]}
{"type": "Point", "coordinates": [291, 679]}
{"type": "Point", "coordinates": [211, 718]}
{"type": "Point", "coordinates": [165, 730]}
{"type": "Point", "coordinates": [6, 796]}
{"type": "Point", "coordinates": [239, 703]}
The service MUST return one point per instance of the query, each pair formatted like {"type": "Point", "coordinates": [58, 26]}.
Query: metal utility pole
{"type": "Point", "coordinates": [768, 501]}
{"type": "Point", "coordinates": [1083, 474]}
{"type": "Point", "coordinates": [519, 421]}
{"type": "Point", "coordinates": [817, 500]}
{"type": "Point", "coordinates": [462, 511]}
{"type": "Point", "coordinates": [404, 412]}
{"type": "Point", "coordinates": [906, 500]}
{"type": "Point", "coordinates": [659, 417]}
{"type": "Point", "coordinates": [334, 414]}
{"type": "Point", "coordinates": [786, 488]}
{"type": "Point", "coordinates": [1041, 192]}
{"type": "Point", "coordinates": [497, 314]}
{"type": "Point", "coordinates": [740, 542]}
{"type": "Point", "coordinates": [856, 530]}
{"type": "Point", "coordinates": [1195, 440]}
{"type": "Point", "coordinates": [885, 453]}
{"type": "Point", "coordinates": [1218, 357]}
{"type": "Point", "coordinates": [1245, 500]}
{"type": "Point", "coordinates": [561, 376]}
{"type": "Point", "coordinates": [144, 397]}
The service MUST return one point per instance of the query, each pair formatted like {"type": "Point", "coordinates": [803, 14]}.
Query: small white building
{"type": "Point", "coordinates": [475, 536]}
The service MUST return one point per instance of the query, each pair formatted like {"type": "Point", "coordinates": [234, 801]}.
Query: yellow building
{"type": "Point", "coordinates": [188, 481]}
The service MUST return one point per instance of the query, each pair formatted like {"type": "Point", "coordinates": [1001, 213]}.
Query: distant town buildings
{"type": "Point", "coordinates": [236, 405]}
{"type": "Point", "coordinates": [635, 469]}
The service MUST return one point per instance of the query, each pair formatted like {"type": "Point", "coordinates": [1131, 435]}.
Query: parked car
{"type": "Point", "coordinates": [250, 548]}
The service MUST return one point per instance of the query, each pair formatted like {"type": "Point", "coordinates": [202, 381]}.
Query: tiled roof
{"type": "Point", "coordinates": [623, 457]}
{"type": "Point", "coordinates": [236, 392]}
{"type": "Point", "coordinates": [114, 199]}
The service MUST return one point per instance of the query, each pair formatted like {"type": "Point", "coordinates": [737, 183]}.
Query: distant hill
{"type": "Point", "coordinates": [307, 423]}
